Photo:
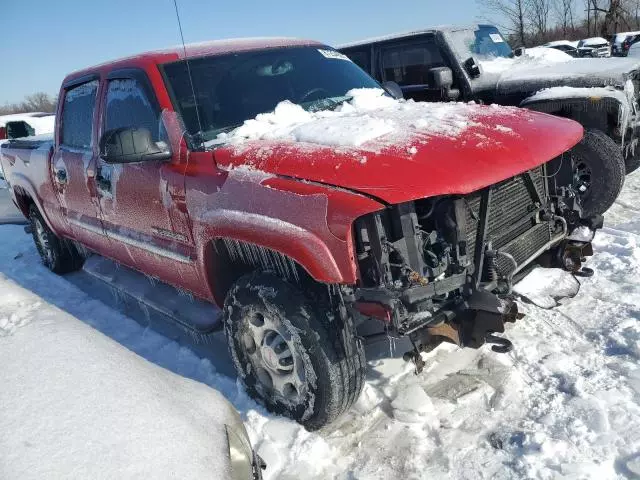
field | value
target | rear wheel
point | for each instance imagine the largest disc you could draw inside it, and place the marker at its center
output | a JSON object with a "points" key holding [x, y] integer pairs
{"points": [[58, 254], [598, 172], [291, 355]]}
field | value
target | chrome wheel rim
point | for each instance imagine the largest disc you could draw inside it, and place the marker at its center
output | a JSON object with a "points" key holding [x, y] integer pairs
{"points": [[278, 366], [43, 241]]}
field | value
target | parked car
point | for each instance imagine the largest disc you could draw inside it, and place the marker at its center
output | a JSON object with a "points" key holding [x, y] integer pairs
{"points": [[595, 47], [566, 46], [622, 42], [277, 180], [477, 64], [25, 124]]}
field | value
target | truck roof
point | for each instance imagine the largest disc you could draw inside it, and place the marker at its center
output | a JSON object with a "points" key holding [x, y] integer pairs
{"points": [[200, 49], [407, 34]]}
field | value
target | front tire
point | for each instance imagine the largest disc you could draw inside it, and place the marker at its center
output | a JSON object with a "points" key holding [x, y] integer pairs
{"points": [[291, 355], [58, 254], [598, 172]]}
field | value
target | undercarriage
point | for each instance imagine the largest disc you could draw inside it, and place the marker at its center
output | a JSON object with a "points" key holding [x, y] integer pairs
{"points": [[442, 268]]}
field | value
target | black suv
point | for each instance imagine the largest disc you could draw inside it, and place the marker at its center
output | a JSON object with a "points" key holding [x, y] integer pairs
{"points": [[476, 63]]}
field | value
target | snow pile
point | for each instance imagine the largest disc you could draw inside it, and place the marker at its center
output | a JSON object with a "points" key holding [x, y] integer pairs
{"points": [[544, 286], [370, 117], [532, 58], [413, 405], [76, 404]]}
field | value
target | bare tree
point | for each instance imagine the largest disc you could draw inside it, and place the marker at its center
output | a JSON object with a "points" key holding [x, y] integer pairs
{"points": [[37, 102], [514, 14], [565, 15], [539, 11]]}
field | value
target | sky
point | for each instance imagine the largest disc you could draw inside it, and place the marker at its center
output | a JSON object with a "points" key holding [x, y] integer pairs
{"points": [[44, 40]]}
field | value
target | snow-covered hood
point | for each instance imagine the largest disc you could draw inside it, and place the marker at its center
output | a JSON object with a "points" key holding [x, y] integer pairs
{"points": [[399, 150], [576, 72]]}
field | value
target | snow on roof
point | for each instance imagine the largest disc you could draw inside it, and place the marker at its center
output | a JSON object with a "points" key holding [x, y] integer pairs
{"points": [[398, 35], [622, 35], [369, 121], [532, 58], [76, 404], [217, 47], [557, 43], [589, 42]]}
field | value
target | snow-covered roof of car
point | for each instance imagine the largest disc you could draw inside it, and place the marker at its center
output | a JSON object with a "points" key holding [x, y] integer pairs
{"points": [[587, 42], [622, 35], [406, 34], [557, 43]]}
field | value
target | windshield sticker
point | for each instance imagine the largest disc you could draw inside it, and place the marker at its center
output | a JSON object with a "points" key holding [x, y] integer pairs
{"points": [[496, 37], [333, 54]]}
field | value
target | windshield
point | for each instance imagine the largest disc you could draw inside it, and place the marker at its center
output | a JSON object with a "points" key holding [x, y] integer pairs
{"points": [[484, 43], [230, 89]]}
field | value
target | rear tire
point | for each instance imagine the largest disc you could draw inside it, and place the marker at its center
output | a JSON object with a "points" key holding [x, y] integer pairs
{"points": [[599, 172], [58, 254], [292, 356]]}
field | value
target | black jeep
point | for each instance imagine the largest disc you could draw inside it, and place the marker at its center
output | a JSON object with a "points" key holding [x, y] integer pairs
{"points": [[477, 64]]}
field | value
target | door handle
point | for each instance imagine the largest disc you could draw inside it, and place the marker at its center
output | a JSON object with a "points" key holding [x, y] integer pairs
{"points": [[104, 184], [61, 176]]}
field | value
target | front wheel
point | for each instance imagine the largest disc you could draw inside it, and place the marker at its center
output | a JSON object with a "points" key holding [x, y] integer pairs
{"points": [[598, 172], [291, 355]]}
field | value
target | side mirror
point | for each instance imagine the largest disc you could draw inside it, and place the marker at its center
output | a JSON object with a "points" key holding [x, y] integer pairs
{"points": [[132, 145], [393, 89], [442, 78], [518, 52]]}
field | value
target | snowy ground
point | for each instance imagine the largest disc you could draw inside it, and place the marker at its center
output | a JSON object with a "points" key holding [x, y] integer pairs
{"points": [[564, 404]]}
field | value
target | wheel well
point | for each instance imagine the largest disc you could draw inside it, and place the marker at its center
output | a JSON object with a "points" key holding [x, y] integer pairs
{"points": [[23, 200], [603, 116], [227, 260]]}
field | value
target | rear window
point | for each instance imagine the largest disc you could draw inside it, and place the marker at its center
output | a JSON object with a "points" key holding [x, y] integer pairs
{"points": [[77, 115]]}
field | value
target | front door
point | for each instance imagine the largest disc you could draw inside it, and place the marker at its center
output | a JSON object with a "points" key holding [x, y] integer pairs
{"points": [[73, 164], [138, 200]]}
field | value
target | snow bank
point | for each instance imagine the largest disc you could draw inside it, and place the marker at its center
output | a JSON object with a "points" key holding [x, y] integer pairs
{"points": [[532, 58], [76, 404], [370, 117]]}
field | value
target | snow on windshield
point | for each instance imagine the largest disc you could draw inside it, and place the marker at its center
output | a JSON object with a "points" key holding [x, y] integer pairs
{"points": [[369, 117], [531, 58]]}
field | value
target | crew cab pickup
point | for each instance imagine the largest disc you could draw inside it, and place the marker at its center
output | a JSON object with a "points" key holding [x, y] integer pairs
{"points": [[277, 180], [476, 63]]}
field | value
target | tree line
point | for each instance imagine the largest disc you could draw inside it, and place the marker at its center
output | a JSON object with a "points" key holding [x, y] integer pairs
{"points": [[534, 22], [37, 102]]}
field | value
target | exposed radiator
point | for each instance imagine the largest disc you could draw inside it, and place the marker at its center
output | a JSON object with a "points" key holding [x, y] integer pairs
{"points": [[510, 227]]}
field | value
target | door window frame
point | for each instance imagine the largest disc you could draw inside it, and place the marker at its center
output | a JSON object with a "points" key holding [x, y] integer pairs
{"points": [[66, 88]]}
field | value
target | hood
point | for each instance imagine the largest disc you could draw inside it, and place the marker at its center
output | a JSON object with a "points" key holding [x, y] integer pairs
{"points": [[580, 72], [426, 150]]}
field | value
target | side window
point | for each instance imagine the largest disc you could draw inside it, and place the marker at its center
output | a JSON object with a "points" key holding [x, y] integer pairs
{"points": [[410, 64], [129, 107], [362, 58], [77, 115]]}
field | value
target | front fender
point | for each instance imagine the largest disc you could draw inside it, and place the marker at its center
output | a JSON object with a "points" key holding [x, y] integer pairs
{"points": [[309, 223]]}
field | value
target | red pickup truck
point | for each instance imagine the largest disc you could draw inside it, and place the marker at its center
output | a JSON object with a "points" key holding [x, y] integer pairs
{"points": [[277, 180]]}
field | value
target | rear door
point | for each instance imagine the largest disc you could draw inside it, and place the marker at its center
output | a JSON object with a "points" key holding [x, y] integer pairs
{"points": [[138, 201], [73, 162]]}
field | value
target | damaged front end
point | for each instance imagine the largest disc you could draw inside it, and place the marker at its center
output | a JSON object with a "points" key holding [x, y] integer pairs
{"points": [[442, 268]]}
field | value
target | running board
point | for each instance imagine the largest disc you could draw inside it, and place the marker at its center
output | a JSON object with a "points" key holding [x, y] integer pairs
{"points": [[199, 319]]}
